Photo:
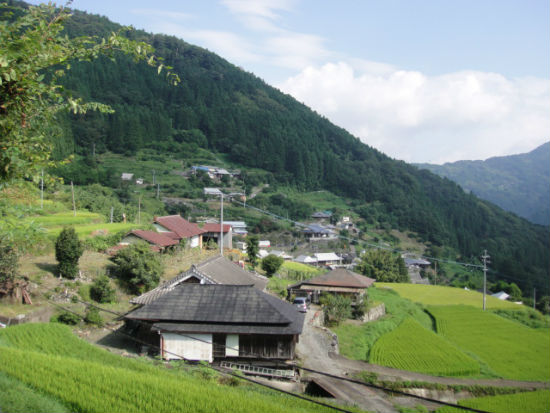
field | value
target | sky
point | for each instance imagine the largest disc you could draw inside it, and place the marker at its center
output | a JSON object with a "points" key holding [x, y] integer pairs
{"points": [[420, 80]]}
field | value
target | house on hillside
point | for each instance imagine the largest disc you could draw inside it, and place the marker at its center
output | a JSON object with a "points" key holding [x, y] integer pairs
{"points": [[215, 270], [321, 215], [214, 322], [239, 227], [126, 176], [305, 259], [158, 241], [212, 232], [183, 229], [317, 232], [327, 259], [501, 295], [339, 281]]}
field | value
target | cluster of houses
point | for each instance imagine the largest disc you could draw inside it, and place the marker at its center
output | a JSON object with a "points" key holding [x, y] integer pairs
{"points": [[218, 312]]}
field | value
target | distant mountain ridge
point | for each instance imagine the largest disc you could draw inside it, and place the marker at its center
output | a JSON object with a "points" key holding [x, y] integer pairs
{"points": [[516, 183]]}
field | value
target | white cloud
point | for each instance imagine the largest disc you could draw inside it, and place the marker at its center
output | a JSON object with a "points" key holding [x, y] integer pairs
{"points": [[419, 118]]}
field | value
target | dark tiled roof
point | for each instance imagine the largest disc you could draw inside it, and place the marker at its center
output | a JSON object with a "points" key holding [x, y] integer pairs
{"points": [[215, 270], [216, 228], [228, 305], [154, 237], [317, 229], [339, 277], [182, 227]]}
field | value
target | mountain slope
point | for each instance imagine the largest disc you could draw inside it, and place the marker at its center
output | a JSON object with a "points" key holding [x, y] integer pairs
{"points": [[517, 183], [244, 120]]}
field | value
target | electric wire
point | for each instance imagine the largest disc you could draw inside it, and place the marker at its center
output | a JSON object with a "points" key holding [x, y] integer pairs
{"points": [[347, 379], [219, 370]]}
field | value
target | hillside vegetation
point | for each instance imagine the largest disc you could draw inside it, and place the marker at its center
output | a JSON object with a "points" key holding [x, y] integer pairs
{"points": [[247, 123], [516, 183]]}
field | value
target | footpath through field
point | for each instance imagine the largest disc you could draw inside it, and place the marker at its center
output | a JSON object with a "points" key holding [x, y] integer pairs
{"points": [[316, 352]]}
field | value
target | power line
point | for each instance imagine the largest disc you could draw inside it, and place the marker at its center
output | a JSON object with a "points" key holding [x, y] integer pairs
{"points": [[301, 224], [219, 370], [299, 367]]}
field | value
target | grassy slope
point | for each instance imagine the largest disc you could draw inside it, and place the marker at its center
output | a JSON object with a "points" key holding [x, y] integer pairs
{"points": [[510, 349], [528, 402], [15, 397], [93, 380], [441, 295], [356, 341], [412, 347]]}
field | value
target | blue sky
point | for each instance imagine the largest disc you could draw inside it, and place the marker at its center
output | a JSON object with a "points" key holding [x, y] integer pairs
{"points": [[420, 80]]}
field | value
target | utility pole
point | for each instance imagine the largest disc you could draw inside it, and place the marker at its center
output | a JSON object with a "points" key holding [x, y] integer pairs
{"points": [[221, 224], [534, 297], [485, 258], [112, 209], [139, 209], [72, 192], [435, 277], [42, 191], [158, 190], [93, 150], [153, 177]]}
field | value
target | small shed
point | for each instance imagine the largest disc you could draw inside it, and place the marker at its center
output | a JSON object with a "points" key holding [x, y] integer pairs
{"points": [[338, 281]]}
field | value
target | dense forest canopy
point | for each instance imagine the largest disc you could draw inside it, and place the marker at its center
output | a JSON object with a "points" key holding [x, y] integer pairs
{"points": [[219, 106]]}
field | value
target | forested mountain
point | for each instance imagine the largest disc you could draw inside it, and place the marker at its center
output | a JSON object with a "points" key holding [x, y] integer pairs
{"points": [[219, 106], [516, 183]]}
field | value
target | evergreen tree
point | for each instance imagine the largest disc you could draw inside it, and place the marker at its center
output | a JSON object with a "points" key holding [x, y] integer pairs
{"points": [[252, 249], [68, 250]]}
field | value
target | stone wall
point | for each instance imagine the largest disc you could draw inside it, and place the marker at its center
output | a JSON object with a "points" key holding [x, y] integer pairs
{"points": [[375, 313]]}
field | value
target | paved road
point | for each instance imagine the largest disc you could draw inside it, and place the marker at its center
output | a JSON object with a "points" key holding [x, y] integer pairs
{"points": [[313, 350]]}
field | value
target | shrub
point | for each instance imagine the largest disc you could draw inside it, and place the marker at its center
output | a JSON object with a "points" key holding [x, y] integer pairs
{"points": [[101, 290], [67, 318], [93, 317], [336, 307], [271, 264], [68, 250], [138, 267]]}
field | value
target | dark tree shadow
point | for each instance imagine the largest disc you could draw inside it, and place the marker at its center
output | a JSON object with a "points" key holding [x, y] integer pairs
{"points": [[51, 268]]}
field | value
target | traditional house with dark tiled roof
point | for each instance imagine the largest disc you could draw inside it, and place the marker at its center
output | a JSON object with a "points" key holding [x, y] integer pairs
{"points": [[215, 270], [219, 322], [182, 229], [338, 281]]}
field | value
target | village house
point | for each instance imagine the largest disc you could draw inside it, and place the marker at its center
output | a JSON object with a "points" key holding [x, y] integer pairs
{"points": [[183, 229], [159, 242], [339, 281], [321, 215], [215, 270], [239, 227], [317, 232], [212, 232], [214, 322]]}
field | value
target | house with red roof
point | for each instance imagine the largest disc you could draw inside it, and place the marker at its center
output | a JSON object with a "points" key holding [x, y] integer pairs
{"points": [[212, 232], [178, 228], [158, 241]]}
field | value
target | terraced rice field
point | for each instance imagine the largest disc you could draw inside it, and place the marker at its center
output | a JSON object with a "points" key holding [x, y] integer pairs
{"points": [[529, 402], [50, 360], [510, 349], [442, 295], [412, 347]]}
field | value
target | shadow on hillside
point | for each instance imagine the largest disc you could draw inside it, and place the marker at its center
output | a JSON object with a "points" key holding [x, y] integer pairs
{"points": [[46, 266], [119, 343]]}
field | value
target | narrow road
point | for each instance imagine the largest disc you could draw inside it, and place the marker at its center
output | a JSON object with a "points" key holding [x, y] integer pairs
{"points": [[313, 350]]}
